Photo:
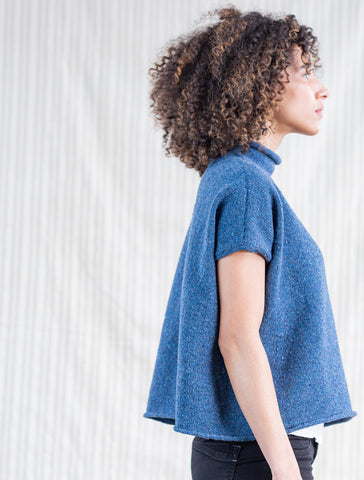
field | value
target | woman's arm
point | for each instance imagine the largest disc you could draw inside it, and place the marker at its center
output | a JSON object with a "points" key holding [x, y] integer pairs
{"points": [[241, 285]]}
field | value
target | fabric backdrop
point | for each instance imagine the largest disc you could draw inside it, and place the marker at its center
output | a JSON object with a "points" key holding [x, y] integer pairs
{"points": [[92, 219]]}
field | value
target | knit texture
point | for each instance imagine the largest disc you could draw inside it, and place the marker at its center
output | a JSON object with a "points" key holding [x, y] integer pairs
{"points": [[239, 207]]}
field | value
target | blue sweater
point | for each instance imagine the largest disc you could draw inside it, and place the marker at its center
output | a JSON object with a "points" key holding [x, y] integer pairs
{"points": [[239, 207]]}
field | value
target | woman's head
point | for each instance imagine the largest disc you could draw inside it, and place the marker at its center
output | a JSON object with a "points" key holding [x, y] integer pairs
{"points": [[220, 86]]}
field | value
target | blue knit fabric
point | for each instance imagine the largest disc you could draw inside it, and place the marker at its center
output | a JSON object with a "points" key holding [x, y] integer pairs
{"points": [[239, 207]]}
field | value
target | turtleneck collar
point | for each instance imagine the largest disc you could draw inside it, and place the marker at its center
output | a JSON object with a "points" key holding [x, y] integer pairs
{"points": [[260, 155]]}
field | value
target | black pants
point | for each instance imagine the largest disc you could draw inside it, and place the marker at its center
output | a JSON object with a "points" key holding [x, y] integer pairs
{"points": [[231, 460]]}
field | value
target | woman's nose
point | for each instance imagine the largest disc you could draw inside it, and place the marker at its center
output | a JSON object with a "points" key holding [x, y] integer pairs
{"points": [[323, 91]]}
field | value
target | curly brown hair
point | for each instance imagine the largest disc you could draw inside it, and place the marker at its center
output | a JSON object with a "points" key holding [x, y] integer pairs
{"points": [[216, 87]]}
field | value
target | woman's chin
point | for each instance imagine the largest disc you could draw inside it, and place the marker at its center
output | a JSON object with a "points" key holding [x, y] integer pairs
{"points": [[310, 131]]}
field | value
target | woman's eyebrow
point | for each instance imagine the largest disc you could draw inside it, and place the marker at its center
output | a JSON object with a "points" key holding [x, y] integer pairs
{"points": [[299, 68]]}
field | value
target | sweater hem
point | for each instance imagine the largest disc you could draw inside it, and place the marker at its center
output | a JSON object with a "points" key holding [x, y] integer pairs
{"points": [[335, 418], [160, 417], [327, 421]]}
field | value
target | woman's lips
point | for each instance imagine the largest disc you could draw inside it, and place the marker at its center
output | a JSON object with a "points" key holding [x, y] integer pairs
{"points": [[319, 112]]}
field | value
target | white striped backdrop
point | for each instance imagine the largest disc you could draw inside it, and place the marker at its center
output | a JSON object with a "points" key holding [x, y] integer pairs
{"points": [[92, 219]]}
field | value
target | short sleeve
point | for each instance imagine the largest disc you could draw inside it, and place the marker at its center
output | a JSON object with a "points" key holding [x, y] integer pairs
{"points": [[244, 221]]}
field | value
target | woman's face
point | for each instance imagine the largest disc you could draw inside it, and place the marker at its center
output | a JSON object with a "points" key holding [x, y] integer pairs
{"points": [[303, 96]]}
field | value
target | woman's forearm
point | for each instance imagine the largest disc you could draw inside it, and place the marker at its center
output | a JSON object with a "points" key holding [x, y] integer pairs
{"points": [[251, 378]]}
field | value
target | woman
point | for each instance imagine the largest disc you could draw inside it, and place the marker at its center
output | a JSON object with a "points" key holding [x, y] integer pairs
{"points": [[248, 360]]}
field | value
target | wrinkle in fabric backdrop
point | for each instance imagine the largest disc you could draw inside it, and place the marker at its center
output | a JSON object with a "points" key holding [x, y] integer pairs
{"points": [[93, 216]]}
